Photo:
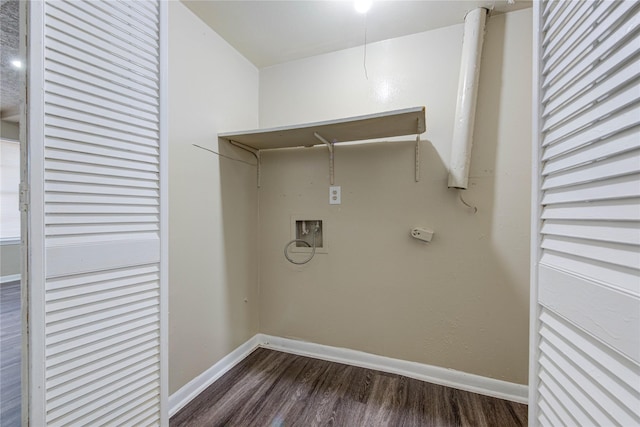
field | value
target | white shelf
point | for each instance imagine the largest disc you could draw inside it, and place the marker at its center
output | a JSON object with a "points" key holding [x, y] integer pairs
{"points": [[410, 121]]}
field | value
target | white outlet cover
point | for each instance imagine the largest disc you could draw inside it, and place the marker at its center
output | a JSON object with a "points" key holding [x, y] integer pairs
{"points": [[335, 195]]}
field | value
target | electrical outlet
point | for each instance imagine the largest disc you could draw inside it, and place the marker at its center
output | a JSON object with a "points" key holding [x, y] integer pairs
{"points": [[423, 234], [335, 195]]}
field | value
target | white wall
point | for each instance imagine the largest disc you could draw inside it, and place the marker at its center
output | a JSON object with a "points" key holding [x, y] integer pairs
{"points": [[10, 256], [10, 251], [213, 202], [460, 302], [9, 130]]}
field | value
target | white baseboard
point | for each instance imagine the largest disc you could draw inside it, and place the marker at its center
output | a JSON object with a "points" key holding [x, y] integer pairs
{"points": [[9, 278], [193, 388], [433, 374]]}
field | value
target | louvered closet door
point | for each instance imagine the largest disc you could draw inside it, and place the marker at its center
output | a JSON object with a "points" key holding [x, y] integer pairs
{"points": [[98, 204], [586, 289]]}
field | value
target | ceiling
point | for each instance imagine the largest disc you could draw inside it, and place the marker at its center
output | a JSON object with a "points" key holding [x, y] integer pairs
{"points": [[10, 77], [273, 32]]}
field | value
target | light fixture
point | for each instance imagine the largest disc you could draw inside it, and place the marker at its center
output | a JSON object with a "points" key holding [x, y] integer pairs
{"points": [[16, 63], [362, 6]]}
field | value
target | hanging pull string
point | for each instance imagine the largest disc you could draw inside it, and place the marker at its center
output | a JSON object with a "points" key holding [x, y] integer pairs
{"points": [[364, 61], [475, 209], [223, 155]]}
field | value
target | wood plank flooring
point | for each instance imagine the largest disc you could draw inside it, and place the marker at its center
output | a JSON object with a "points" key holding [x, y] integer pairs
{"points": [[10, 354], [275, 389]]}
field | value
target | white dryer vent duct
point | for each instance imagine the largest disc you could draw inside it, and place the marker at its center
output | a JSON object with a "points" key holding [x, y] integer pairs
{"points": [[467, 93]]}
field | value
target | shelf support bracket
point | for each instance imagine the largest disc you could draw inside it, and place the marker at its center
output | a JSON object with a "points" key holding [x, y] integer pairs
{"points": [[330, 147], [256, 154], [420, 125], [418, 158]]}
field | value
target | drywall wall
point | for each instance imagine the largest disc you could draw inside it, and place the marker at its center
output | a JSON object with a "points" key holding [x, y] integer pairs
{"points": [[9, 251], [212, 201], [9, 130], [460, 302], [9, 260]]}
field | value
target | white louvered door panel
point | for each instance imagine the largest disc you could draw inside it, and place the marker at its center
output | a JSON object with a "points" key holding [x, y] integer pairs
{"points": [[97, 213], [585, 359]]}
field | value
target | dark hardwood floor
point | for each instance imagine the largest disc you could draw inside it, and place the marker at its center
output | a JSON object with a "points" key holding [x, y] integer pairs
{"points": [[275, 389], [10, 354]]}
